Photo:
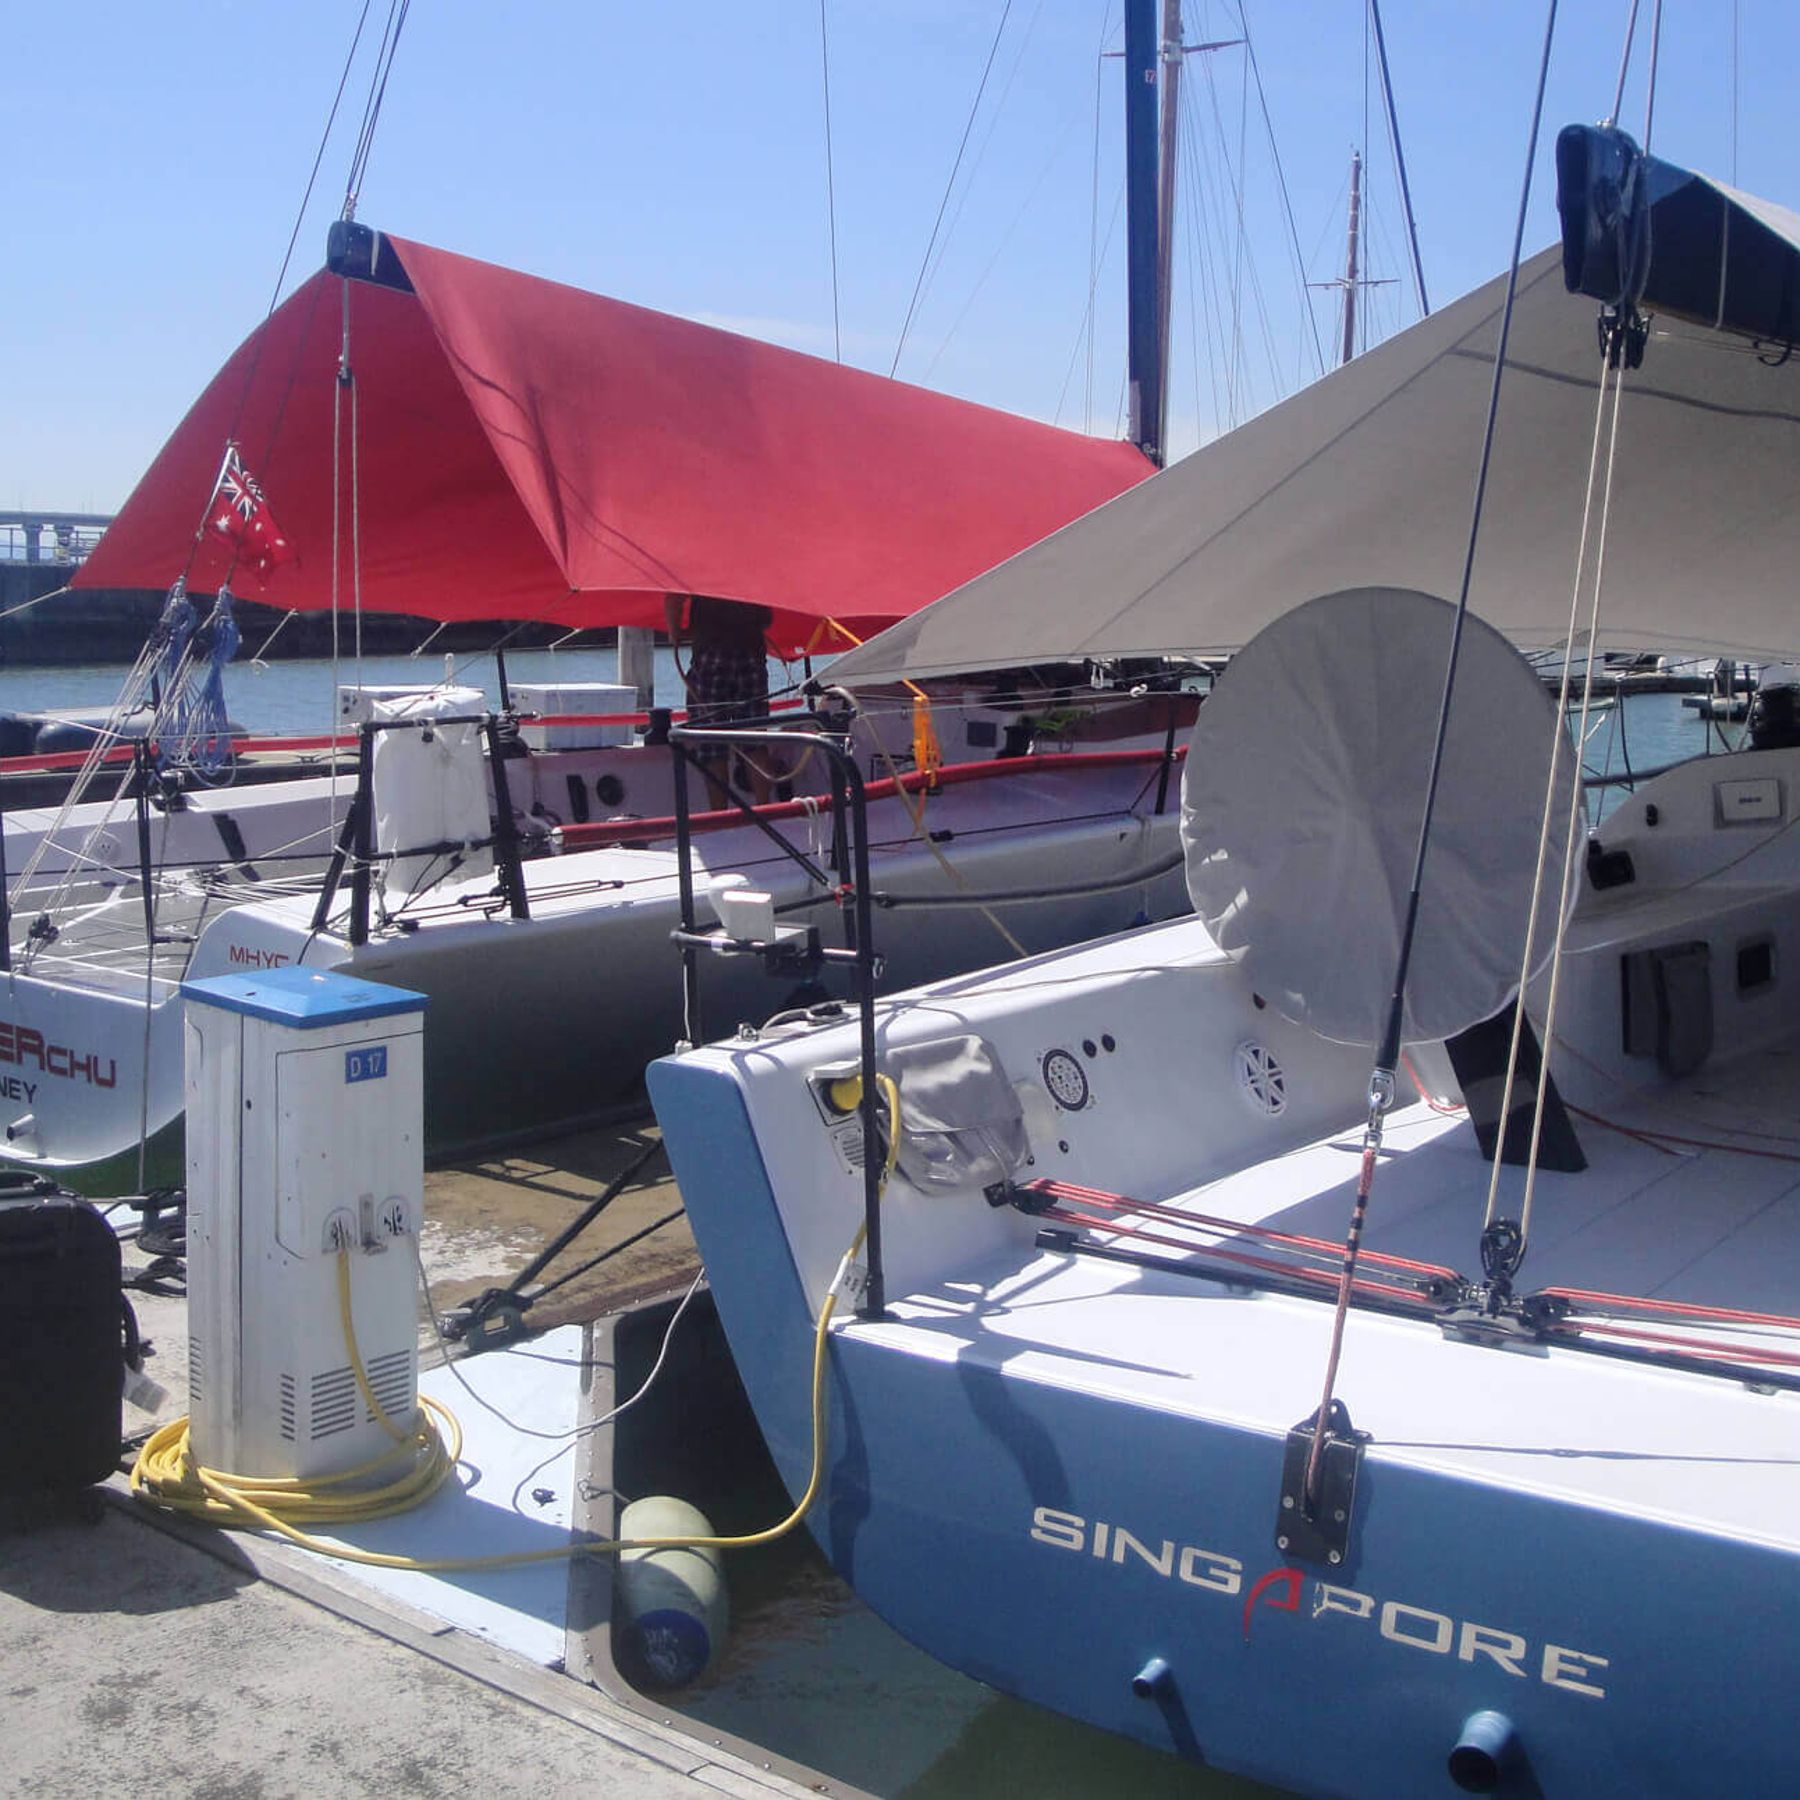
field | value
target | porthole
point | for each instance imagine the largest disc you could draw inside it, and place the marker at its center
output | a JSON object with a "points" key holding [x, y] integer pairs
{"points": [[1066, 1080]]}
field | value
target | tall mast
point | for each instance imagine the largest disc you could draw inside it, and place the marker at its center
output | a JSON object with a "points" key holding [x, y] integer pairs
{"points": [[1352, 243], [1144, 353], [1169, 76], [1352, 281]]}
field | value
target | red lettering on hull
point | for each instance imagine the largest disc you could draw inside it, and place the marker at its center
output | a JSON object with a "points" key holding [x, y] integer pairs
{"points": [[23, 1045]]}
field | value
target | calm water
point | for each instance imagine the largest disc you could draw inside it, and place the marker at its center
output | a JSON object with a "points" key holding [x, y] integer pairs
{"points": [[1654, 729], [297, 696]]}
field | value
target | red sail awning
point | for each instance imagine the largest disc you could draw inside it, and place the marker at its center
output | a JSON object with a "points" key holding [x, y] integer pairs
{"points": [[528, 450]]}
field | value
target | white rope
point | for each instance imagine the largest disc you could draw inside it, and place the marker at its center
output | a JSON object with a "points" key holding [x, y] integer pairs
{"points": [[1571, 867], [27, 605], [813, 808], [110, 734], [1609, 429]]}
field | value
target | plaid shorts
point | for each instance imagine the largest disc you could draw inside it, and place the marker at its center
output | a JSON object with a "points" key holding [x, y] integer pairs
{"points": [[727, 687]]}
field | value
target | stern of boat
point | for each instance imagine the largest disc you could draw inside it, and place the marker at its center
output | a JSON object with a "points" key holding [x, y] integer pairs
{"points": [[85, 1071]]}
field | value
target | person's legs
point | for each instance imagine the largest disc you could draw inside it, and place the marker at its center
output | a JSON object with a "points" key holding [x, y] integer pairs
{"points": [[727, 687]]}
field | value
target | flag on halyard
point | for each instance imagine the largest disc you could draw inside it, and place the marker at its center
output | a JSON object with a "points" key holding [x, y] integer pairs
{"points": [[239, 513]]}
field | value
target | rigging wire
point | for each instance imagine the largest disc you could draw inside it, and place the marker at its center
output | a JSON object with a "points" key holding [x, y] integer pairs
{"points": [[1735, 66], [1381, 1079], [1206, 236], [1199, 270], [1087, 406], [1227, 295], [1287, 205], [1612, 118], [1084, 332], [837, 333], [993, 260], [1238, 244], [133, 693], [937, 224], [995, 114], [1650, 84], [1248, 304], [337, 100], [337, 527], [1203, 249], [1367, 47], [1393, 126], [1601, 478], [384, 67]]}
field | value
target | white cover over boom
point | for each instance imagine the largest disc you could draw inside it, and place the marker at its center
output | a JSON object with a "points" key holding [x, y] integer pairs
{"points": [[1301, 802]]}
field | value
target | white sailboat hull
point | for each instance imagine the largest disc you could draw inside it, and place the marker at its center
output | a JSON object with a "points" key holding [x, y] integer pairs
{"points": [[541, 1022]]}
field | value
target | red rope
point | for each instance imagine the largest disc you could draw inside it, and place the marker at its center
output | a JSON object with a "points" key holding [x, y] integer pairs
{"points": [[1660, 1140], [1210, 1222], [1268, 1265], [1450, 1108], [1706, 1347], [1700, 1346], [1677, 1308]]}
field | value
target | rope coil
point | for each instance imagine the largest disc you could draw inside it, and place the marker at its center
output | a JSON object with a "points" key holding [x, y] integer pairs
{"points": [[167, 1474]]}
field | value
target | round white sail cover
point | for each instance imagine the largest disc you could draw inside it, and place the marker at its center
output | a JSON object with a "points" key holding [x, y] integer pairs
{"points": [[1301, 803]]}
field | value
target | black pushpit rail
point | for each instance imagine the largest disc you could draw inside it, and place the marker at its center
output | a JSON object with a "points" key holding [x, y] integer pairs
{"points": [[795, 950]]}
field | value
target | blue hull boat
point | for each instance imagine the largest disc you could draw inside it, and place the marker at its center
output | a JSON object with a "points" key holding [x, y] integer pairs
{"points": [[1406, 1434]]}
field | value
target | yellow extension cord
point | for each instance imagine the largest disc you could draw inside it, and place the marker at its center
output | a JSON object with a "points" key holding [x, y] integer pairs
{"points": [[166, 1473]]}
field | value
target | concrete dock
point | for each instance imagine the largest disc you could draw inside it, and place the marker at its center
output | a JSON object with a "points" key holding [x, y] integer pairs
{"points": [[138, 1654], [137, 1661]]}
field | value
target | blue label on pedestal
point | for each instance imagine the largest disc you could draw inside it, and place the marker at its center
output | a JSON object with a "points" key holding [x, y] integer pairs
{"points": [[367, 1064]]}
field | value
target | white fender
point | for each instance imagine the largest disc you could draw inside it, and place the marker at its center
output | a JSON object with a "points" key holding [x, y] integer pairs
{"points": [[672, 1611]]}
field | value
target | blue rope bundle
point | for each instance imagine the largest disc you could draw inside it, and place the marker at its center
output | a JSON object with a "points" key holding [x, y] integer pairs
{"points": [[194, 731], [169, 639], [208, 732]]}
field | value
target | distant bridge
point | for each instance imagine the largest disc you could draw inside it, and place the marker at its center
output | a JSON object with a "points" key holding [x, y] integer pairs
{"points": [[35, 536]]}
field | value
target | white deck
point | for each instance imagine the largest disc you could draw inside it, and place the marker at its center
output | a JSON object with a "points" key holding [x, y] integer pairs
{"points": [[1710, 1227], [520, 1441]]}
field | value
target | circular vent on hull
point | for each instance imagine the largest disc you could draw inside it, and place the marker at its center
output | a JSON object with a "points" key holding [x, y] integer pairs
{"points": [[1260, 1078]]}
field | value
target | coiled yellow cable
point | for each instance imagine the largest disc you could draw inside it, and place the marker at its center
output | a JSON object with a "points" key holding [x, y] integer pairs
{"points": [[166, 1473]]}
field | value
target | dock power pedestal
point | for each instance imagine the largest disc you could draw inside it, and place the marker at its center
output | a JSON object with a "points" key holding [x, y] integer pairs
{"points": [[305, 1151]]}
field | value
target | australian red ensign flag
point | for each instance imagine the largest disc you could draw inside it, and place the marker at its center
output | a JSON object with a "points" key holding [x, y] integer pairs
{"points": [[241, 515]]}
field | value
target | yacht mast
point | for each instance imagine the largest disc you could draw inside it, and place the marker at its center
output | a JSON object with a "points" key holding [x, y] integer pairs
{"points": [[1153, 59], [1169, 75], [1353, 238], [1144, 352]]}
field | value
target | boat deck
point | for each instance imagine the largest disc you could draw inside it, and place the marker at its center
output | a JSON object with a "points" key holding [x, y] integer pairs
{"points": [[101, 942], [1712, 1222]]}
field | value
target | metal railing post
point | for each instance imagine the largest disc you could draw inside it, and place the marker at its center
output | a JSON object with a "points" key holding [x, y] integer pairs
{"points": [[140, 757], [874, 1302], [684, 876], [1168, 759], [851, 878], [506, 830], [362, 839]]}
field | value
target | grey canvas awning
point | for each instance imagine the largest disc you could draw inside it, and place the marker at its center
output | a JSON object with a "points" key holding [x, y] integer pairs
{"points": [[1367, 479]]}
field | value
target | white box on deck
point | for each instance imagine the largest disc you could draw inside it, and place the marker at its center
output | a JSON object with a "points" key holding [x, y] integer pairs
{"points": [[305, 1098], [554, 697], [356, 705]]}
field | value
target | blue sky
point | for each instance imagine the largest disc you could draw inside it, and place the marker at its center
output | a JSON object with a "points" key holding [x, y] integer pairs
{"points": [[674, 155]]}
